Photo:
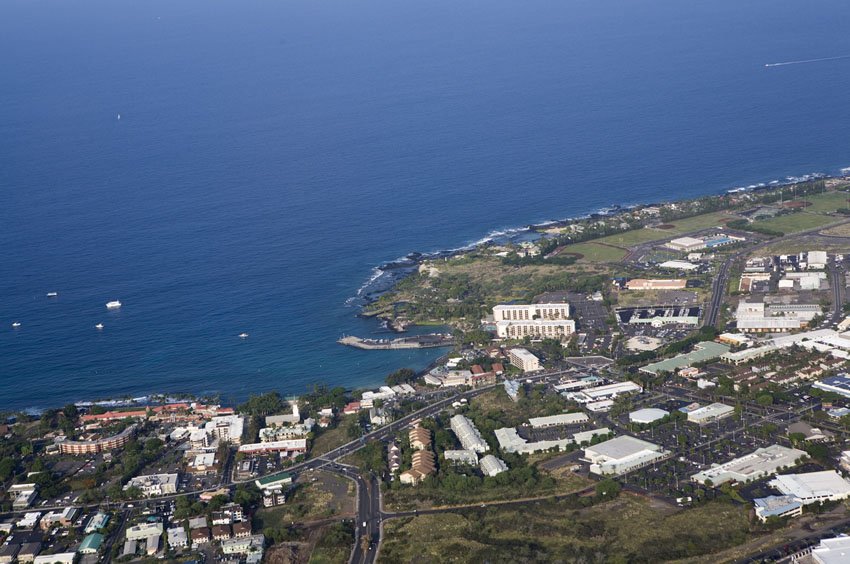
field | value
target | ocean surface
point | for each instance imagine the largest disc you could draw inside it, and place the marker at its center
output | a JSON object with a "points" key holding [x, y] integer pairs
{"points": [[269, 155]]}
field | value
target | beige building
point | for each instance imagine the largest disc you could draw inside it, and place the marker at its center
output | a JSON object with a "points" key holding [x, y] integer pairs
{"points": [[524, 360], [533, 320]]}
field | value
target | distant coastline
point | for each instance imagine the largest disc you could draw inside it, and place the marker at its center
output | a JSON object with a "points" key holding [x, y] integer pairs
{"points": [[386, 276]]}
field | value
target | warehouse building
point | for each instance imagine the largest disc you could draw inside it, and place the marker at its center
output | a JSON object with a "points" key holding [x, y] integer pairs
{"points": [[760, 463], [709, 413], [813, 487], [622, 454], [837, 384]]}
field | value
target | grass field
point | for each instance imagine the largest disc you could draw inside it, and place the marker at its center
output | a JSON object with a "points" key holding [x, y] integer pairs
{"points": [[828, 202], [628, 529], [796, 222], [332, 438], [594, 252]]}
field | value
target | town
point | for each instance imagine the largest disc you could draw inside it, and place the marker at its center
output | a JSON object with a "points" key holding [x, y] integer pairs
{"points": [[670, 381]]}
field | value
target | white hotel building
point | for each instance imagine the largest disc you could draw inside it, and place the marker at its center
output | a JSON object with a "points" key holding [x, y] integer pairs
{"points": [[533, 320]]}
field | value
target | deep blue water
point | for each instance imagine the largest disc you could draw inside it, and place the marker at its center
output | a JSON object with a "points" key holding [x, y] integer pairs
{"points": [[270, 154]]}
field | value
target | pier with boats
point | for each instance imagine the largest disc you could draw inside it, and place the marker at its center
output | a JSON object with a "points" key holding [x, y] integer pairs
{"points": [[432, 340]]}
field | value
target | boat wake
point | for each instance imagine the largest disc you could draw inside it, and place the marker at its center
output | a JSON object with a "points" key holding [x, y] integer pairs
{"points": [[807, 61]]}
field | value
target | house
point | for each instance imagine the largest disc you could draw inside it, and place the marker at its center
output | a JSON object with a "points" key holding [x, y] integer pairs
{"points": [[423, 465], [242, 530], [28, 551]]}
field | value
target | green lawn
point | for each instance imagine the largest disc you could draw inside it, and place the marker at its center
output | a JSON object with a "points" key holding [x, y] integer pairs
{"points": [[594, 252], [645, 235], [828, 202], [795, 222]]}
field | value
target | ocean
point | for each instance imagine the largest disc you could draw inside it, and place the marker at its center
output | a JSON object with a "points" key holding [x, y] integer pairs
{"points": [[269, 155]]}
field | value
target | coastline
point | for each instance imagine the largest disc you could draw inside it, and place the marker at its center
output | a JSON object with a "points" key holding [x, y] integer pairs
{"points": [[386, 276]]}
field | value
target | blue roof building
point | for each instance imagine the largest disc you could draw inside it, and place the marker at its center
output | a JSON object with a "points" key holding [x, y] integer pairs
{"points": [[778, 506]]}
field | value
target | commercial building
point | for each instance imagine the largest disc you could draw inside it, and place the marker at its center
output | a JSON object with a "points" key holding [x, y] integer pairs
{"points": [[492, 466], [143, 531], [758, 464], [709, 413], [524, 360], [758, 317], [622, 454], [645, 284], [292, 447], [777, 506], [91, 544], [97, 522], [57, 558], [274, 481], [813, 487], [562, 419], [22, 495], [154, 484], [61, 518], [606, 392], [468, 435], [647, 415], [97, 445], [704, 351], [249, 544], [659, 316]]}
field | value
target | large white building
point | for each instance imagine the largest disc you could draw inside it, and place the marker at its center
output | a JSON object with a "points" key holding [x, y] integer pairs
{"points": [[758, 464], [832, 551], [622, 454], [562, 419], [492, 466], [813, 487], [524, 360], [468, 435], [533, 320]]}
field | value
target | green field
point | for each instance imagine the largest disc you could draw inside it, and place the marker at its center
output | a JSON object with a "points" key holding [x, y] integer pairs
{"points": [[828, 202], [594, 252], [646, 235], [628, 529], [796, 222]]}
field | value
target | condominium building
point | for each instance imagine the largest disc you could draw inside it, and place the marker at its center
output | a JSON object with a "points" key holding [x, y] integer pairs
{"points": [[511, 312], [95, 446], [468, 435], [524, 360]]}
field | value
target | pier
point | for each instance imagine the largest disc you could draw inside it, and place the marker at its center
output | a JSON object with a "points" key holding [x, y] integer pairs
{"points": [[432, 340]]}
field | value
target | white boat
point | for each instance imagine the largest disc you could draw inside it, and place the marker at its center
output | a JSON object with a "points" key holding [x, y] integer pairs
{"points": [[52, 294], [16, 324], [115, 304], [99, 326], [243, 335]]}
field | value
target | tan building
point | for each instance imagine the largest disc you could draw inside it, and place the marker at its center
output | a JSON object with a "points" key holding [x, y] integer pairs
{"points": [[420, 438], [98, 445], [524, 360], [423, 465], [533, 320]]}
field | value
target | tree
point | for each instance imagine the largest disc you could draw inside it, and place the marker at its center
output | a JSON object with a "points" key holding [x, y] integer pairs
{"points": [[608, 488]]}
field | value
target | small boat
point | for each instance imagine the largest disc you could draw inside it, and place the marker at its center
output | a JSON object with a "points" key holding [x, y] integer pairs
{"points": [[243, 335], [16, 324], [119, 116], [52, 294], [115, 304], [99, 326]]}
